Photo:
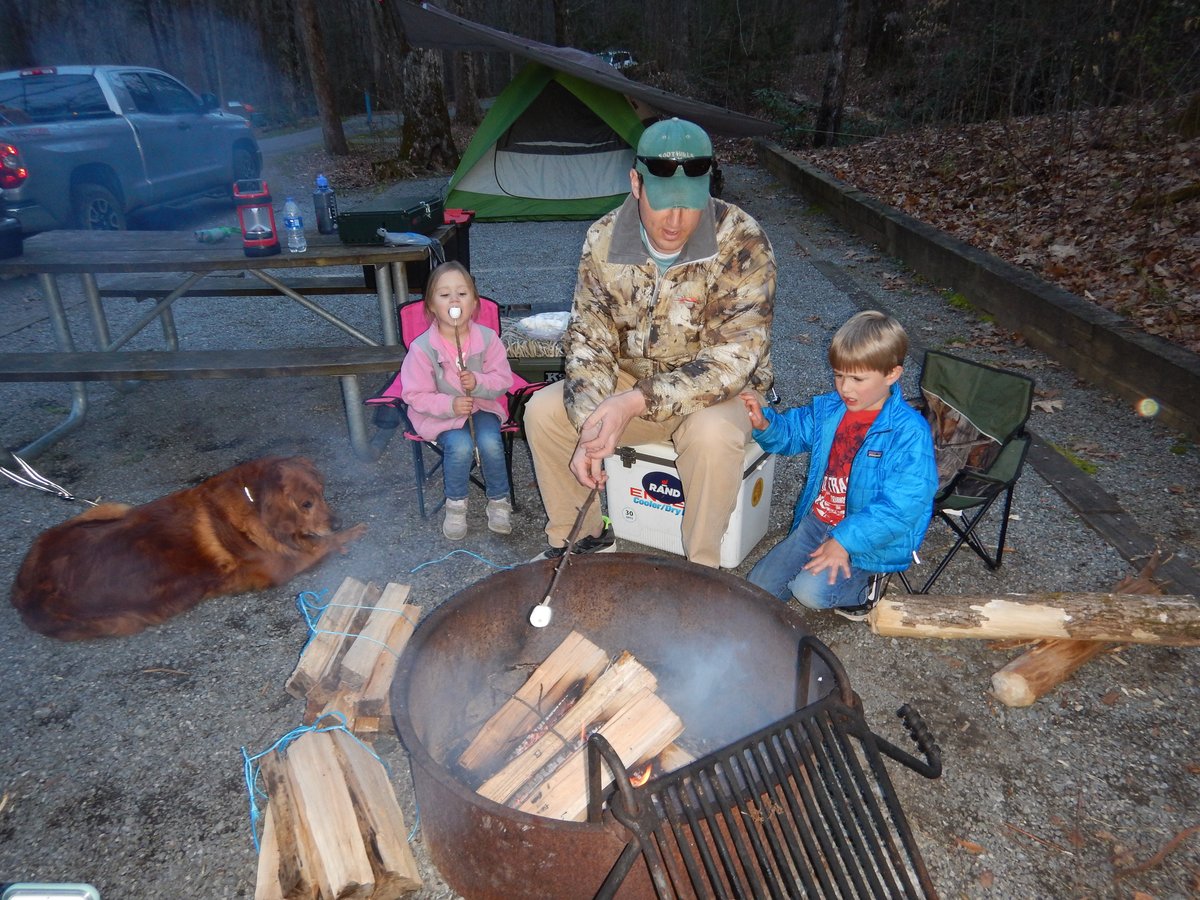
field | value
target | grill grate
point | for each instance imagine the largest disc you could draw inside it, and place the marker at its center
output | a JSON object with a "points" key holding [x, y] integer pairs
{"points": [[801, 808]]}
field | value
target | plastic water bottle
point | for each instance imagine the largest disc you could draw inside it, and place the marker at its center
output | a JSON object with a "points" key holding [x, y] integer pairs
{"points": [[325, 206], [293, 224]]}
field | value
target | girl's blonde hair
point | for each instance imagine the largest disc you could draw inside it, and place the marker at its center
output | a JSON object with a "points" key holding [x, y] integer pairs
{"points": [[869, 341], [445, 269]]}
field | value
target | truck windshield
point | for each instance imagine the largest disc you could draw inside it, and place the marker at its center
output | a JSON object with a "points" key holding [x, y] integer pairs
{"points": [[53, 98]]}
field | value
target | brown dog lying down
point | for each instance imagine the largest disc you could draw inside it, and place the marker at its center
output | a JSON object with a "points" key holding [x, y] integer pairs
{"points": [[117, 569]]}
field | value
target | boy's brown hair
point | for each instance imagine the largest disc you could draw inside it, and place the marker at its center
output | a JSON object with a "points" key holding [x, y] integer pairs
{"points": [[869, 341]]}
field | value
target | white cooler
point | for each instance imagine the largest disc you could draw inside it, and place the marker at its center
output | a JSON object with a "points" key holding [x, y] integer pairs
{"points": [[646, 501]]}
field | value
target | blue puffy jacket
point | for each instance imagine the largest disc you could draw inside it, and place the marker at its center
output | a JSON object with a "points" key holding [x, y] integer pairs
{"points": [[889, 498]]}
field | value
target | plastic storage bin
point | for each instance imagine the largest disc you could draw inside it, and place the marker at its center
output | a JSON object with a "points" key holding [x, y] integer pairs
{"points": [[646, 500]]}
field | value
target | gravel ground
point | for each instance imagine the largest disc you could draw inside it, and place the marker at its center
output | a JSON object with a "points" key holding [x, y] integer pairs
{"points": [[122, 763]]}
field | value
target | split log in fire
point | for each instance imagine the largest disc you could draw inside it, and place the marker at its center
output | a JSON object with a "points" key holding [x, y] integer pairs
{"points": [[534, 746]]}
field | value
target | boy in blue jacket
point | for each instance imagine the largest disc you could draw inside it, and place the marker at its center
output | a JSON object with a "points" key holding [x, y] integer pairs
{"points": [[871, 474]]}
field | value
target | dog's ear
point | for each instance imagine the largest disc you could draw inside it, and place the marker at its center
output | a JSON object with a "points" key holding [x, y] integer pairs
{"points": [[276, 507]]}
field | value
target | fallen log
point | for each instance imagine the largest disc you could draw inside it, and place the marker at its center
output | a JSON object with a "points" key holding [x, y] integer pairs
{"points": [[1048, 664], [1041, 669], [1112, 617]]}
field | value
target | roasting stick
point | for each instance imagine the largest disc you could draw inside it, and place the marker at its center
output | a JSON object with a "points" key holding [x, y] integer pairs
{"points": [[455, 314], [539, 617]]}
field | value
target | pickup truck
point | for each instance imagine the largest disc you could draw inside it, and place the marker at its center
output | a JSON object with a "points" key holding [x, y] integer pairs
{"points": [[84, 146]]}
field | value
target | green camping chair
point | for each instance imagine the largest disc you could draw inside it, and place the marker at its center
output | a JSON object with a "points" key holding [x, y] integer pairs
{"points": [[978, 417]]}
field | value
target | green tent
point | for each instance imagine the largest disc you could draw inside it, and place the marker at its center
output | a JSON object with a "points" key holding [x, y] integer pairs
{"points": [[553, 146]]}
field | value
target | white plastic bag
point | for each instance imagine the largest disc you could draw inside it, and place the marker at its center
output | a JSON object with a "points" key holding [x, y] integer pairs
{"points": [[547, 326]]}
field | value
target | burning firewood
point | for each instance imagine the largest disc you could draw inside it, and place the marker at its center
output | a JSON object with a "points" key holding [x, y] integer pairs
{"points": [[535, 744], [574, 664], [348, 665], [624, 678], [333, 827]]}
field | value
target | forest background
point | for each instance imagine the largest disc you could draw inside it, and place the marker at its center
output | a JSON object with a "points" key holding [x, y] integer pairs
{"points": [[1062, 137]]}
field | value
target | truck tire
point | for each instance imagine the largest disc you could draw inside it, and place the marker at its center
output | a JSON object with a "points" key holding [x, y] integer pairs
{"points": [[245, 164], [96, 208]]}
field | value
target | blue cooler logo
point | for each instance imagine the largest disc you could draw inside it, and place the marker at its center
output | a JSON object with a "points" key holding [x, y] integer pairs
{"points": [[664, 487]]}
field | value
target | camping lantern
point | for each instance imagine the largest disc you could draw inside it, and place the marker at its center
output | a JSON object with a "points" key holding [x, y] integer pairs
{"points": [[256, 217]]}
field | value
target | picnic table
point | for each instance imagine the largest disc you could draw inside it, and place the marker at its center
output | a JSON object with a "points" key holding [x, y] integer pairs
{"points": [[165, 266]]}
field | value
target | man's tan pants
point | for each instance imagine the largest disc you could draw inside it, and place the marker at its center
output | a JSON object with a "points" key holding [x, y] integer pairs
{"points": [[710, 444]]}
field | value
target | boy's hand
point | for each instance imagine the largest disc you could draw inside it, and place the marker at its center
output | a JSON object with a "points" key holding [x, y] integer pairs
{"points": [[466, 379], [754, 408], [463, 406], [831, 557]]}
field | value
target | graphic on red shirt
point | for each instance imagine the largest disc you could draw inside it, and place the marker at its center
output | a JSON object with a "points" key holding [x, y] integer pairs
{"points": [[830, 505]]}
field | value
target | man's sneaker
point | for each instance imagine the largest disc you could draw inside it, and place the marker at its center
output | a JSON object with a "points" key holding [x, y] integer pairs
{"points": [[454, 526], [606, 543], [499, 515]]}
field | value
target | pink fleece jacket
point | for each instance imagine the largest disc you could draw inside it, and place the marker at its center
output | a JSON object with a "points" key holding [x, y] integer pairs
{"points": [[429, 378]]}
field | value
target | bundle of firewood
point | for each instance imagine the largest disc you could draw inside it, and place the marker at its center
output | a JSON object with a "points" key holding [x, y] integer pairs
{"points": [[348, 664], [332, 827], [531, 754]]}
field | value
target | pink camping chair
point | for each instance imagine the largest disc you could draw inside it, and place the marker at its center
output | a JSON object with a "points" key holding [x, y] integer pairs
{"points": [[391, 411]]}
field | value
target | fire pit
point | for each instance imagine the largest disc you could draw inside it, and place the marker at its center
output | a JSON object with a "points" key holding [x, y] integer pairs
{"points": [[725, 654], [727, 660]]}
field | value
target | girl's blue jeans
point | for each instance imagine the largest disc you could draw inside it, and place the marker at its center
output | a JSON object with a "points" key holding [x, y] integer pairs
{"points": [[781, 571], [458, 453]]}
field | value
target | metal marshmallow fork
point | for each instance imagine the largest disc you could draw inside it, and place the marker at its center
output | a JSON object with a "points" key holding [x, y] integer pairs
{"points": [[539, 616]]}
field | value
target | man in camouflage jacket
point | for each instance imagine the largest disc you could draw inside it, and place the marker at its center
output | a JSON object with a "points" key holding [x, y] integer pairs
{"points": [[671, 319]]}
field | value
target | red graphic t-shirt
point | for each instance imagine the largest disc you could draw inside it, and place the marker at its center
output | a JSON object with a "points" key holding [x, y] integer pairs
{"points": [[830, 505]]}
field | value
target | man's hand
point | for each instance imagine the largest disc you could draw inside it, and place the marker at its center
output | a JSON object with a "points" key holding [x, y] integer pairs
{"points": [[600, 432], [754, 409], [832, 557], [463, 406], [466, 379]]}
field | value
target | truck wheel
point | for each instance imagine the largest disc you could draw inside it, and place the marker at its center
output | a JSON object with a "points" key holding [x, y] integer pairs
{"points": [[96, 208], [245, 164]]}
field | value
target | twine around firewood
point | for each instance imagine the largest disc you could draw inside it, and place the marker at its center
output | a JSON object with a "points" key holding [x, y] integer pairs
{"points": [[313, 603], [251, 768]]}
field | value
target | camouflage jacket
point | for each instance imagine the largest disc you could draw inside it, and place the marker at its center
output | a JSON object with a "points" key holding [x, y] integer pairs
{"points": [[692, 338]]}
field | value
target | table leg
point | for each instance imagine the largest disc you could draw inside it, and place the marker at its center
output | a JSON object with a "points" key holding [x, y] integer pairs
{"points": [[62, 338], [366, 447], [387, 304]]}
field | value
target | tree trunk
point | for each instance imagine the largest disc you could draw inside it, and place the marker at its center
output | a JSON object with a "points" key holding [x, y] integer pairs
{"points": [[884, 36], [1117, 617], [332, 135], [833, 99]]}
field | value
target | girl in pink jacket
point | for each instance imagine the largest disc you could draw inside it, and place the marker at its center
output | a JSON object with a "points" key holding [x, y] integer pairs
{"points": [[454, 379]]}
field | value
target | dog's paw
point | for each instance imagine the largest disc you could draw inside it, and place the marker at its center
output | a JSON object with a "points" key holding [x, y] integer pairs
{"points": [[346, 535]]}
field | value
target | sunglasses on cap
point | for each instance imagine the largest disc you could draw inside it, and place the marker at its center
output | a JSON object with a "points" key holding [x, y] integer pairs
{"points": [[665, 168]]}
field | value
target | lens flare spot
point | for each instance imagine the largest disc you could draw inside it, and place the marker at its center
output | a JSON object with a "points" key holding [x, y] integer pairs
{"points": [[1147, 407]]}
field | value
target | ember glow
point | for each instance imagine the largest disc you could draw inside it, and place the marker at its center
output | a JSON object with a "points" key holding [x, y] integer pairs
{"points": [[642, 777]]}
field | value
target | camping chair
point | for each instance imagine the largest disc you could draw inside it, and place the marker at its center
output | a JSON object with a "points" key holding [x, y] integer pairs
{"points": [[978, 416], [391, 411]]}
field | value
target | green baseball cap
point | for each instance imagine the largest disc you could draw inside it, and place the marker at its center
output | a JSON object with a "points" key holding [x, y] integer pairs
{"points": [[663, 156]]}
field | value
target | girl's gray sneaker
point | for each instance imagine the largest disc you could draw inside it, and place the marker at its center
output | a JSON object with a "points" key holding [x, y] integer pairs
{"points": [[454, 525], [499, 516]]}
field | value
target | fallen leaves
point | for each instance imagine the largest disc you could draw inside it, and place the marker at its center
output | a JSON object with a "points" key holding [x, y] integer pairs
{"points": [[1104, 217]]}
